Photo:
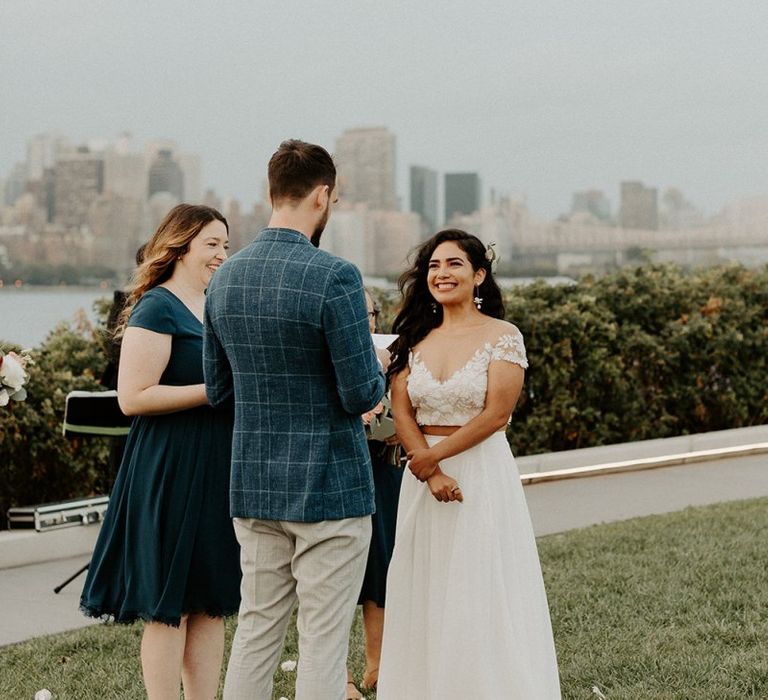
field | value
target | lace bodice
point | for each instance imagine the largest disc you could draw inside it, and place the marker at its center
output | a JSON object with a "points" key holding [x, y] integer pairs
{"points": [[461, 397]]}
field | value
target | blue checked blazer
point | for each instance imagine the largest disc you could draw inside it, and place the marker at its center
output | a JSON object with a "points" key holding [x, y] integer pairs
{"points": [[286, 331]]}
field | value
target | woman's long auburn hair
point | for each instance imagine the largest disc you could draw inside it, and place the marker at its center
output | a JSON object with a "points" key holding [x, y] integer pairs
{"points": [[419, 312], [171, 240]]}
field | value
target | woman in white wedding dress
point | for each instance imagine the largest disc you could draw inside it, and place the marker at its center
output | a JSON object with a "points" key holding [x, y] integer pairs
{"points": [[467, 615]]}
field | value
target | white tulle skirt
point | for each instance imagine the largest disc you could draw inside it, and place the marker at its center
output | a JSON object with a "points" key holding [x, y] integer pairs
{"points": [[466, 614]]}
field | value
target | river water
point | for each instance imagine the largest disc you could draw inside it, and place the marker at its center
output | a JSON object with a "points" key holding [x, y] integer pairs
{"points": [[28, 314]]}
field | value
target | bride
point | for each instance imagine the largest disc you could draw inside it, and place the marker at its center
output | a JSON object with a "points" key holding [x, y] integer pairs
{"points": [[467, 614]]}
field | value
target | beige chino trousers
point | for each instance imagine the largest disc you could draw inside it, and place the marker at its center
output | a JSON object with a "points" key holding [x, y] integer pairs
{"points": [[320, 566]]}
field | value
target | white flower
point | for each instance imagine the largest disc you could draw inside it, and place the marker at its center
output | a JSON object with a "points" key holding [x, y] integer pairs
{"points": [[491, 256], [282, 698], [43, 694], [288, 666], [12, 372], [596, 691], [13, 376]]}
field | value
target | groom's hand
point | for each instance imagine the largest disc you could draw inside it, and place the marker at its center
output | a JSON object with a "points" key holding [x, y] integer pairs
{"points": [[422, 463]]}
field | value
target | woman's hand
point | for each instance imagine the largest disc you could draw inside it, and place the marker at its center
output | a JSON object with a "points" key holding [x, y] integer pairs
{"points": [[370, 415], [422, 463], [444, 488], [384, 357]]}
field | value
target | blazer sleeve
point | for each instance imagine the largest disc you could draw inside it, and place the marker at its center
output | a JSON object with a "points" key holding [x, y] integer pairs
{"points": [[217, 371], [359, 378]]}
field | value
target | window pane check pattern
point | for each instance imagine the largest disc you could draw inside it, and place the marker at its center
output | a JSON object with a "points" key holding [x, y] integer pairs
{"points": [[286, 334]]}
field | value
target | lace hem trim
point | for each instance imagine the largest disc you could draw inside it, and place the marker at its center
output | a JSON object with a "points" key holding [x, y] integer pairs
{"points": [[128, 618]]}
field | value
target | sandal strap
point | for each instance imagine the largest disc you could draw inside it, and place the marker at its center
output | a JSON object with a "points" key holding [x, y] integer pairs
{"points": [[357, 690]]}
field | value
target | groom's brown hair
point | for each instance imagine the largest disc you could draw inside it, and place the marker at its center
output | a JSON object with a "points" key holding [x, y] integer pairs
{"points": [[296, 168]]}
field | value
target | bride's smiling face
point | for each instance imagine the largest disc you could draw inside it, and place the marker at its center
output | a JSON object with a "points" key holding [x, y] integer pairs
{"points": [[450, 277]]}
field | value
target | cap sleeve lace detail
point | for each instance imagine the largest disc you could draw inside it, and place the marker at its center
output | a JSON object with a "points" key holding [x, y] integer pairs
{"points": [[510, 348]]}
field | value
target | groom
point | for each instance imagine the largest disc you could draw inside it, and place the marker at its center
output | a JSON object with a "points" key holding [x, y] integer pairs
{"points": [[286, 333]]}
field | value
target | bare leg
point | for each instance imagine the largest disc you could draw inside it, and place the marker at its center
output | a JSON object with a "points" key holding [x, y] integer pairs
{"points": [[373, 624], [203, 655], [352, 692], [162, 649]]}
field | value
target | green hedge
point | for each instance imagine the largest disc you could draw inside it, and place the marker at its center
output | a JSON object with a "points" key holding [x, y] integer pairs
{"points": [[38, 464], [646, 353]]}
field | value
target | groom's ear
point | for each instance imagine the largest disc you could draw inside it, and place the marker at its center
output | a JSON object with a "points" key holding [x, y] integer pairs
{"points": [[319, 197]]}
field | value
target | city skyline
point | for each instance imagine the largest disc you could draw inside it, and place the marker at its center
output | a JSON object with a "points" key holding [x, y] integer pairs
{"points": [[542, 100], [103, 199], [365, 159], [42, 151]]}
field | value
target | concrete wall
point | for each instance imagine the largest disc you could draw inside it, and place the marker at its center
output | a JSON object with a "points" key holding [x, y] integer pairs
{"points": [[642, 449], [556, 505], [587, 495]]}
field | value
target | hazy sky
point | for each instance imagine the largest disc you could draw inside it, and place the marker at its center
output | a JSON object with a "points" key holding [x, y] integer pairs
{"points": [[541, 97]]}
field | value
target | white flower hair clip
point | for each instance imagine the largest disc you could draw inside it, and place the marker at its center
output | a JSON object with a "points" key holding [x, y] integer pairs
{"points": [[491, 256]]}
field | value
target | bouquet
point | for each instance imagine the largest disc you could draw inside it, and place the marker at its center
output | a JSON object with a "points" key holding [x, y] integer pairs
{"points": [[13, 376]]}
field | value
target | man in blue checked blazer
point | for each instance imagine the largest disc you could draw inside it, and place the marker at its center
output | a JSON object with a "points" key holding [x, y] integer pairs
{"points": [[286, 333]]}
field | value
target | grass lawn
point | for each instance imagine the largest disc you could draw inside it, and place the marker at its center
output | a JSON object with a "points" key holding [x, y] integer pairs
{"points": [[671, 607]]}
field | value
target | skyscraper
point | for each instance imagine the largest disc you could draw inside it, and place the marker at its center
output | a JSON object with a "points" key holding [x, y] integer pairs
{"points": [[424, 195], [593, 202], [462, 194], [126, 174], [390, 237], [190, 168], [78, 181], [117, 225], [639, 206], [165, 175], [42, 153], [365, 159], [345, 235], [15, 184]]}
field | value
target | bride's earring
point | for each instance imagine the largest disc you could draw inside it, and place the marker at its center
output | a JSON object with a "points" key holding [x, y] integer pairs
{"points": [[478, 300], [434, 307]]}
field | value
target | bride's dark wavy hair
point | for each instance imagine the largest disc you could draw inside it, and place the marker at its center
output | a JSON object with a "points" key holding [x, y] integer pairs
{"points": [[419, 313]]}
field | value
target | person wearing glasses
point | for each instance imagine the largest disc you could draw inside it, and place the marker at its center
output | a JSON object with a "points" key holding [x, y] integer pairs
{"points": [[387, 476]]}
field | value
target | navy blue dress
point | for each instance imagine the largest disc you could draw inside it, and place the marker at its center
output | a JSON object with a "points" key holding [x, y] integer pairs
{"points": [[167, 546], [387, 478]]}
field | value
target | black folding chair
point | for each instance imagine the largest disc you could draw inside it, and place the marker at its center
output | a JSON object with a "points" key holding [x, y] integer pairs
{"points": [[97, 414]]}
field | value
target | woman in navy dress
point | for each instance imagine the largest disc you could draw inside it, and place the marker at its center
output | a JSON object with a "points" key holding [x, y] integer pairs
{"points": [[387, 475], [167, 552]]}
